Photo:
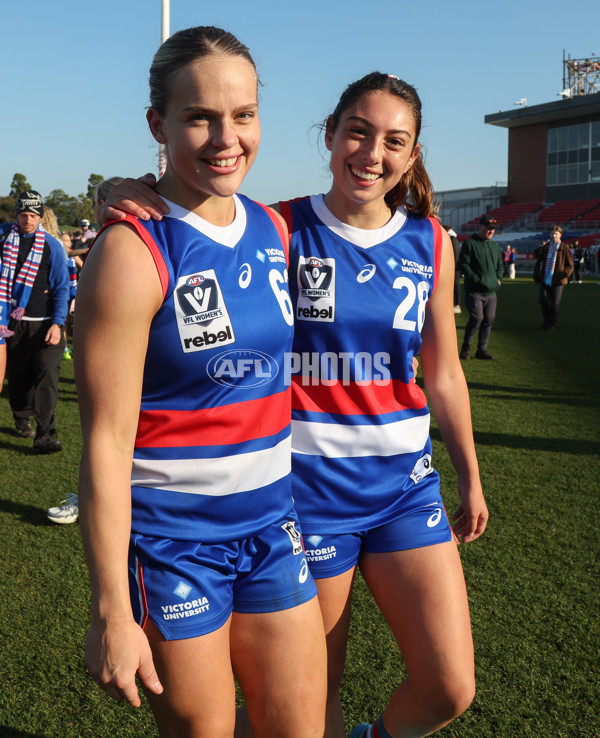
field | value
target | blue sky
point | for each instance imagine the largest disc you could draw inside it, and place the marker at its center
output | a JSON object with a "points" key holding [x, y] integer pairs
{"points": [[75, 80]]}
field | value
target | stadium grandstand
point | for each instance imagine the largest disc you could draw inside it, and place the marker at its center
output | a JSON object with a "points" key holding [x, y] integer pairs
{"points": [[553, 170]]}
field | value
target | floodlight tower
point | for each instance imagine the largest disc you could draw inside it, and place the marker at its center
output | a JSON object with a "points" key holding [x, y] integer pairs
{"points": [[164, 35], [580, 76]]}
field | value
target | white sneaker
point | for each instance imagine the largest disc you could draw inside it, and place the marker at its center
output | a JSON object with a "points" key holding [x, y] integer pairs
{"points": [[66, 512]]}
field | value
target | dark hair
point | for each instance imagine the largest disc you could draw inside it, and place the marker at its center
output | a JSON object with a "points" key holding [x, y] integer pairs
{"points": [[414, 189], [184, 47]]}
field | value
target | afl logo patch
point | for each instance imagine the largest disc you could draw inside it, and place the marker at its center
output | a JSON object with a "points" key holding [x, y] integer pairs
{"points": [[316, 289], [195, 280], [202, 318]]}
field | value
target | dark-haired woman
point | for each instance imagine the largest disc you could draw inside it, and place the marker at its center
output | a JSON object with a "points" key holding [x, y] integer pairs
{"points": [[372, 286]]}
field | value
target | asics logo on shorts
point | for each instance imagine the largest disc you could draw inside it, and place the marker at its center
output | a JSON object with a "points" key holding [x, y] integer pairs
{"points": [[303, 576], [434, 519]]}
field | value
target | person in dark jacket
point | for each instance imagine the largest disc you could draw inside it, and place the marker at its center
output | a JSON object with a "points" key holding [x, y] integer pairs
{"points": [[552, 270], [456, 249], [481, 265]]}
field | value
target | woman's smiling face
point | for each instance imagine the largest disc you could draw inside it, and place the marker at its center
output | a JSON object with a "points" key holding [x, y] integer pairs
{"points": [[372, 147], [211, 128]]}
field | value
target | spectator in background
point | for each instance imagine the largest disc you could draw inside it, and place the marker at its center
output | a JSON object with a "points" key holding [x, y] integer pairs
{"points": [[456, 248], [82, 240], [87, 234], [578, 262], [509, 256], [34, 289], [2, 346], [102, 192], [49, 223], [481, 264], [506, 258], [552, 270], [2, 361]]}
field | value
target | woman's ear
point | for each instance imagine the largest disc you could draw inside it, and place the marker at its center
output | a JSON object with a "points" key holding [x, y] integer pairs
{"points": [[413, 157], [155, 123], [329, 133]]}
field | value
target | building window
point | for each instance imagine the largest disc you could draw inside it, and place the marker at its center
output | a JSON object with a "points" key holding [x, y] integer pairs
{"points": [[573, 154]]}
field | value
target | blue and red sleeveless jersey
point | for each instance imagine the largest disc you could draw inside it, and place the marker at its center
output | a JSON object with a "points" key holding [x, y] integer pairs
{"points": [[212, 452], [360, 424]]}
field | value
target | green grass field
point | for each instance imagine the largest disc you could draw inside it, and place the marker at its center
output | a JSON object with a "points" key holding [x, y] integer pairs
{"points": [[533, 578]]}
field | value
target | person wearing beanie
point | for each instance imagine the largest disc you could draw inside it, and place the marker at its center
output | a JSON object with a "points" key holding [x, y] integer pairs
{"points": [[34, 293], [480, 262]]}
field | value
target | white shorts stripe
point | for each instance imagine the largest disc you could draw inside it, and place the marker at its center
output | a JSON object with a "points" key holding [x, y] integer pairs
{"points": [[340, 441], [214, 477]]}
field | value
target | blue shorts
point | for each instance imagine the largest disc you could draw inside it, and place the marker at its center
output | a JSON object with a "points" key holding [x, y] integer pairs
{"points": [[189, 589], [424, 525]]}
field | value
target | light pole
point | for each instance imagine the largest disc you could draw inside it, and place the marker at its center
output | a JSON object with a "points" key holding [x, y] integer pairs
{"points": [[164, 35], [166, 31]]}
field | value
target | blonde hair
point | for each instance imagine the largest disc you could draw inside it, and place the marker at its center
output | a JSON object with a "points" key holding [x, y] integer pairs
{"points": [[49, 222]]}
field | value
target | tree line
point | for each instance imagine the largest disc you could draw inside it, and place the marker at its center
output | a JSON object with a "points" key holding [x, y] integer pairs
{"points": [[69, 210]]}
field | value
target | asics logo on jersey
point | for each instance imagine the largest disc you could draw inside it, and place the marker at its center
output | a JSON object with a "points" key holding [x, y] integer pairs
{"points": [[243, 369], [366, 273]]}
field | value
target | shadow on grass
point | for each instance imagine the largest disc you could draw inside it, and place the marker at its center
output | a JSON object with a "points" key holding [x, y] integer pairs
{"points": [[67, 391], [530, 394], [556, 445], [513, 390], [18, 446], [8, 732], [28, 514]]}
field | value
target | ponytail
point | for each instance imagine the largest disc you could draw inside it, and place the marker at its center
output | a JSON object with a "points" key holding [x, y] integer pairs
{"points": [[414, 190]]}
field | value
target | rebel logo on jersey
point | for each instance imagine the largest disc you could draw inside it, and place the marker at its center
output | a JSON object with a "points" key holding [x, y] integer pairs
{"points": [[202, 317], [316, 289]]}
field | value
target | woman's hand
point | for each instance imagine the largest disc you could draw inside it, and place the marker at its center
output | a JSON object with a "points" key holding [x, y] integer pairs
{"points": [[135, 197], [470, 518], [114, 653]]}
